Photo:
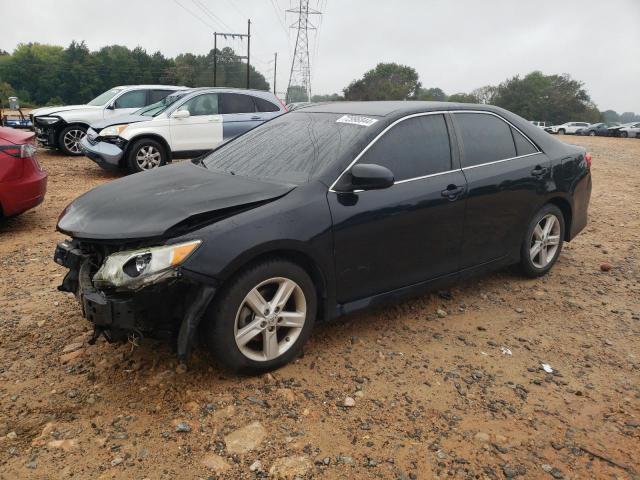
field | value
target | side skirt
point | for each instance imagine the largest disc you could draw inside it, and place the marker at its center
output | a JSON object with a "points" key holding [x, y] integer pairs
{"points": [[419, 288]]}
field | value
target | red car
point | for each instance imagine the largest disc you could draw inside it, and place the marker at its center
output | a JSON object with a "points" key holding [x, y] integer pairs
{"points": [[23, 183]]}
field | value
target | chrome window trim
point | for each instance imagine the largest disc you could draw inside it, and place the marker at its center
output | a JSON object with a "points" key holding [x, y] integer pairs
{"points": [[438, 112], [500, 161]]}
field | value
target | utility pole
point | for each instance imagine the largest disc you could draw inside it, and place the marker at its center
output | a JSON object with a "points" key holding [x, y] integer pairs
{"points": [[300, 75], [248, 52], [215, 59], [238, 57], [275, 71]]}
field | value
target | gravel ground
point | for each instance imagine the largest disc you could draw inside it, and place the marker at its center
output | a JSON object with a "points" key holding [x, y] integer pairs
{"points": [[447, 384]]}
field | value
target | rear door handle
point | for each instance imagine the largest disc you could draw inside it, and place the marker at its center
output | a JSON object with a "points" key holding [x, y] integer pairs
{"points": [[539, 171], [452, 192], [256, 118]]}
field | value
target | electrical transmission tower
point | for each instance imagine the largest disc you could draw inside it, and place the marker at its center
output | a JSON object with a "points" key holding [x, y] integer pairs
{"points": [[300, 75]]}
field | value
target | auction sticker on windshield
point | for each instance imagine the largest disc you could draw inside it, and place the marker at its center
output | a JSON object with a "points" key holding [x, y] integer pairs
{"points": [[357, 120]]}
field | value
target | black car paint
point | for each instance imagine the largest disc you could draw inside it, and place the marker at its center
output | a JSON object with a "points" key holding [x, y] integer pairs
{"points": [[165, 198], [359, 247]]}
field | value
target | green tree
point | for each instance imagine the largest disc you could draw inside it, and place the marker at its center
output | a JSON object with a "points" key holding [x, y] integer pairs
{"points": [[6, 91], [387, 81], [333, 97], [296, 93], [434, 94], [463, 98], [555, 98], [485, 95]]}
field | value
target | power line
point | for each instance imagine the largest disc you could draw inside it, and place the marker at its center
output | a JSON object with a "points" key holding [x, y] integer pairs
{"points": [[194, 15], [210, 14]]}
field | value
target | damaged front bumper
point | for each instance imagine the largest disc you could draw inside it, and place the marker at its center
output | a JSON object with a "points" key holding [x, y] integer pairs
{"points": [[163, 310], [107, 155]]}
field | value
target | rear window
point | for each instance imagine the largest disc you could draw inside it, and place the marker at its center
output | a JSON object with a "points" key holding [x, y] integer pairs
{"points": [[157, 95], [236, 103], [523, 145], [265, 105], [485, 138], [292, 148]]}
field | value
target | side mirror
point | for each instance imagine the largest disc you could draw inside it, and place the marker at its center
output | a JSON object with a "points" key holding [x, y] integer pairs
{"points": [[111, 106], [368, 176], [181, 114]]}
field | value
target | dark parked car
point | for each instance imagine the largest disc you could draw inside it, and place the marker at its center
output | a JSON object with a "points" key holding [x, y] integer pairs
{"points": [[600, 129], [315, 214]]}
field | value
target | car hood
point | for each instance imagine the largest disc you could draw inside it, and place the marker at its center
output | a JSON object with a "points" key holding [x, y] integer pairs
{"points": [[163, 202], [118, 120], [40, 112]]}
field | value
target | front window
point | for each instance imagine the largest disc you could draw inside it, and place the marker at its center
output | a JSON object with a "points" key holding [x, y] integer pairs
{"points": [[292, 148], [103, 98]]}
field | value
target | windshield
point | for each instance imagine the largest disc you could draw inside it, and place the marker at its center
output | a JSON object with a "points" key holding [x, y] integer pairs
{"points": [[157, 108], [104, 97], [289, 149]]}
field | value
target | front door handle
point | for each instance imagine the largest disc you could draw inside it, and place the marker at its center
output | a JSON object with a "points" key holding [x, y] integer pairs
{"points": [[256, 118], [539, 171], [452, 192]]}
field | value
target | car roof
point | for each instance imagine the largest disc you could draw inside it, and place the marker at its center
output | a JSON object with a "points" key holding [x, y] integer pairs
{"points": [[392, 108], [153, 86]]}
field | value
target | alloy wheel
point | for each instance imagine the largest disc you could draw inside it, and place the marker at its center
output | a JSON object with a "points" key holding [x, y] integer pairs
{"points": [[270, 319], [545, 241], [72, 139], [148, 157]]}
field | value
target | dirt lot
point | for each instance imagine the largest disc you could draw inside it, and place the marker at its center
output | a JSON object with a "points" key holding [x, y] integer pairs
{"points": [[433, 388]]}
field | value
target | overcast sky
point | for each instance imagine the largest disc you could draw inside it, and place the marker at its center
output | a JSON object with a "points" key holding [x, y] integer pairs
{"points": [[456, 45]]}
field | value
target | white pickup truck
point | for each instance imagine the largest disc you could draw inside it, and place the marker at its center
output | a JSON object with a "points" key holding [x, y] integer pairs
{"points": [[569, 128], [64, 127]]}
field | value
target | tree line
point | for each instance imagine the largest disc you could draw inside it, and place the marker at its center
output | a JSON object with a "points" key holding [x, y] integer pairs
{"points": [[535, 96], [42, 74]]}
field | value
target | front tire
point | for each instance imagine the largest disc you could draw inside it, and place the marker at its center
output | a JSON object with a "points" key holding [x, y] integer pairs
{"points": [[592, 133], [262, 318], [69, 139], [624, 134], [543, 241], [561, 132], [146, 154]]}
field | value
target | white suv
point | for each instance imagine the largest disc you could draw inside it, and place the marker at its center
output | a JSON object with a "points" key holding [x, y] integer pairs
{"points": [[567, 128], [185, 124], [64, 127]]}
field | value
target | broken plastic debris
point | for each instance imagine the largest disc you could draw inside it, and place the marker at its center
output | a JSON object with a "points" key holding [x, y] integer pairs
{"points": [[505, 350], [547, 368]]}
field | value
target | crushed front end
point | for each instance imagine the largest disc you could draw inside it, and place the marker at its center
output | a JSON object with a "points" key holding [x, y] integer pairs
{"points": [[134, 290]]}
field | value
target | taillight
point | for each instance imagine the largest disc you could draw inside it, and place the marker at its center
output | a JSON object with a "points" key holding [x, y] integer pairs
{"points": [[587, 158], [283, 105], [26, 150]]}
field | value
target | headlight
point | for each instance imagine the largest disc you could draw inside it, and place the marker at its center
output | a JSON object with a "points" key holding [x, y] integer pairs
{"points": [[113, 130], [47, 120], [134, 269]]}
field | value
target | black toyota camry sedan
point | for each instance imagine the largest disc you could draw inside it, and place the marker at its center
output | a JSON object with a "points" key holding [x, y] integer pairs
{"points": [[320, 212]]}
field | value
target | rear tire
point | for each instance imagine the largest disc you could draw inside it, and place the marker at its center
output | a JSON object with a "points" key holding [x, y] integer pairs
{"points": [[249, 330], [592, 133], [69, 140], [543, 241], [146, 154]]}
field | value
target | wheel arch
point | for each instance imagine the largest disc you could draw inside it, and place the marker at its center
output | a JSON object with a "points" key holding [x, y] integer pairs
{"points": [[153, 136], [567, 212], [300, 257]]}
